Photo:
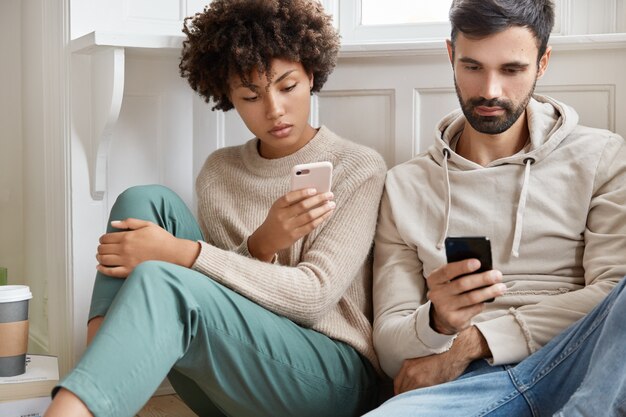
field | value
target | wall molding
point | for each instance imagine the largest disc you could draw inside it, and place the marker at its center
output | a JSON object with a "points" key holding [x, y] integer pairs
{"points": [[610, 89], [388, 140], [58, 212]]}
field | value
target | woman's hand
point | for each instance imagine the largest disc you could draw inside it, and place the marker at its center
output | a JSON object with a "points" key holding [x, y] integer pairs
{"points": [[120, 252], [291, 217]]}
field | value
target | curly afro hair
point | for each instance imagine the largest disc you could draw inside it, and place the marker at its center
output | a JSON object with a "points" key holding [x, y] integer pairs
{"points": [[236, 37]]}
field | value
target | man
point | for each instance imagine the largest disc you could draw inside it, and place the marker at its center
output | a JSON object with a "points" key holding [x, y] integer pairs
{"points": [[548, 193]]}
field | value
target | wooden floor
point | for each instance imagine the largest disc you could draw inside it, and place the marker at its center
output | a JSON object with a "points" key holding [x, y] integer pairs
{"points": [[166, 406]]}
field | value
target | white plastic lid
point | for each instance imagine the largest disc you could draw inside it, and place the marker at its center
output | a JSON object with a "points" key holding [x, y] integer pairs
{"points": [[12, 293]]}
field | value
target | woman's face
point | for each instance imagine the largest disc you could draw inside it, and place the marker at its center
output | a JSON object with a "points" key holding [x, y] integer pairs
{"points": [[276, 112]]}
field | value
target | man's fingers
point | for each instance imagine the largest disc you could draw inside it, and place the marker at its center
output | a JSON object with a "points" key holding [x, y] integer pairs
{"points": [[453, 270], [481, 295], [473, 281]]}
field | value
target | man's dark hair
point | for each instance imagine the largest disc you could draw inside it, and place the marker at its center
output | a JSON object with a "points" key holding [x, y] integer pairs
{"points": [[236, 37], [480, 18]]}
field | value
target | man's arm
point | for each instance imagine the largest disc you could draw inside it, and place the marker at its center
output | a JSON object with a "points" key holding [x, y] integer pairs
{"points": [[403, 328], [469, 346]]}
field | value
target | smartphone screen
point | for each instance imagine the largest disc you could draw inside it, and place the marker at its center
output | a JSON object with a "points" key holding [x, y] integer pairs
{"points": [[316, 175], [478, 247]]}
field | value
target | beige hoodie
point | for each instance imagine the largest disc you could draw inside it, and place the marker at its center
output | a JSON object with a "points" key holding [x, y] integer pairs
{"points": [[555, 214]]}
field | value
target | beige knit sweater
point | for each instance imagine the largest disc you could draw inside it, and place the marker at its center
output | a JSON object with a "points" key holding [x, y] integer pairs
{"points": [[324, 280]]}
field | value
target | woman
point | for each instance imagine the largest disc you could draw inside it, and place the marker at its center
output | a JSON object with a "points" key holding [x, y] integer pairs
{"points": [[264, 307]]}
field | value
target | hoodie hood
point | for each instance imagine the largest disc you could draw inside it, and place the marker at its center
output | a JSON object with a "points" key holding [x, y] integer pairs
{"points": [[549, 122]]}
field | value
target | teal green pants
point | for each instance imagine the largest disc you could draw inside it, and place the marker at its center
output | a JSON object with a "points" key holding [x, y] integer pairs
{"points": [[223, 354]]}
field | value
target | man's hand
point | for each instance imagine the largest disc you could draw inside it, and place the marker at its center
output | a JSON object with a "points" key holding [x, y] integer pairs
{"points": [[456, 297], [437, 369], [120, 252], [291, 217]]}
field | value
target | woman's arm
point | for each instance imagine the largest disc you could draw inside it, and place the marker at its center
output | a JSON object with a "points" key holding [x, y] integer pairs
{"points": [[332, 255]]}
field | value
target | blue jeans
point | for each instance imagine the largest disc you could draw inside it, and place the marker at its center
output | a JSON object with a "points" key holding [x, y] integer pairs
{"points": [[224, 354], [581, 372]]}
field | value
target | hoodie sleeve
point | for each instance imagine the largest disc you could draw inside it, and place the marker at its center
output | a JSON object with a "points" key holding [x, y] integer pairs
{"points": [[401, 311], [604, 262]]}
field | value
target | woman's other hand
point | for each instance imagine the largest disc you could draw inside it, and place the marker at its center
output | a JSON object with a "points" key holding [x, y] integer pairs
{"points": [[120, 252]]}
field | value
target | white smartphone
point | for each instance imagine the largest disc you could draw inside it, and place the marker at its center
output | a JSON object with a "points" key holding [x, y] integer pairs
{"points": [[316, 175]]}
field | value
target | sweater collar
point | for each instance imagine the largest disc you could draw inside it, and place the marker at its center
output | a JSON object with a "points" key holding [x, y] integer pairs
{"points": [[314, 151]]}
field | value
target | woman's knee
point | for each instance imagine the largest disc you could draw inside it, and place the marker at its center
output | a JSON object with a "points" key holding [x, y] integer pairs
{"points": [[144, 193], [149, 270], [145, 202], [153, 274]]}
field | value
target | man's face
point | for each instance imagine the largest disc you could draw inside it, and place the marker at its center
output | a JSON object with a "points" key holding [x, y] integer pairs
{"points": [[495, 77]]}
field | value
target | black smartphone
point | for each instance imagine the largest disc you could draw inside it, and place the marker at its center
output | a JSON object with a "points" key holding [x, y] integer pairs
{"points": [[479, 247]]}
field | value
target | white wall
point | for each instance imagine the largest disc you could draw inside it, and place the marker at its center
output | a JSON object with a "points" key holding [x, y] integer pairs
{"points": [[11, 145], [25, 158], [134, 16]]}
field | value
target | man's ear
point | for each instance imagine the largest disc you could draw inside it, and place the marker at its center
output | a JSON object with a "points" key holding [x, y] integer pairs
{"points": [[543, 62], [450, 51], [311, 80]]}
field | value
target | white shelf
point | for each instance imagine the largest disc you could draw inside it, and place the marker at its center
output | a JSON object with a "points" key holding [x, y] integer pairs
{"points": [[168, 44], [90, 42]]}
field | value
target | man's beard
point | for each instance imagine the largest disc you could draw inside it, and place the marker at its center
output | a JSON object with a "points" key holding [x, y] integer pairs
{"points": [[493, 125]]}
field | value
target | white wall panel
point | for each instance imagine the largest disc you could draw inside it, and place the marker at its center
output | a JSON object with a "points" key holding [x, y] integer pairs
{"points": [[595, 104], [431, 105], [11, 143], [235, 131], [135, 154], [363, 116], [593, 82]]}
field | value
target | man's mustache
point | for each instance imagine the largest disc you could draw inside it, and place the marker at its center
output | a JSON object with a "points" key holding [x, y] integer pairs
{"points": [[494, 102]]}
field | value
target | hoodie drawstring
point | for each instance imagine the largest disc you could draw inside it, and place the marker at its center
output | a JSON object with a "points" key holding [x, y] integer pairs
{"points": [[446, 180], [521, 206]]}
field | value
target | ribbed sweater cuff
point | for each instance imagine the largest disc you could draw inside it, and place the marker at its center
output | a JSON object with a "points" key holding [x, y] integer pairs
{"points": [[211, 261], [243, 250]]}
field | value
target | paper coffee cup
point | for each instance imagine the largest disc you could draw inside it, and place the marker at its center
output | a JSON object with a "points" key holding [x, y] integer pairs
{"points": [[13, 328]]}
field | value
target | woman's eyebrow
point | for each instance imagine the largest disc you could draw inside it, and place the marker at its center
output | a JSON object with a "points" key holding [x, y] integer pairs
{"points": [[255, 87]]}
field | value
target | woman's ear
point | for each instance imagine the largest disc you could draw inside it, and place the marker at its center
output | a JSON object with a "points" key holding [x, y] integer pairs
{"points": [[311, 79]]}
